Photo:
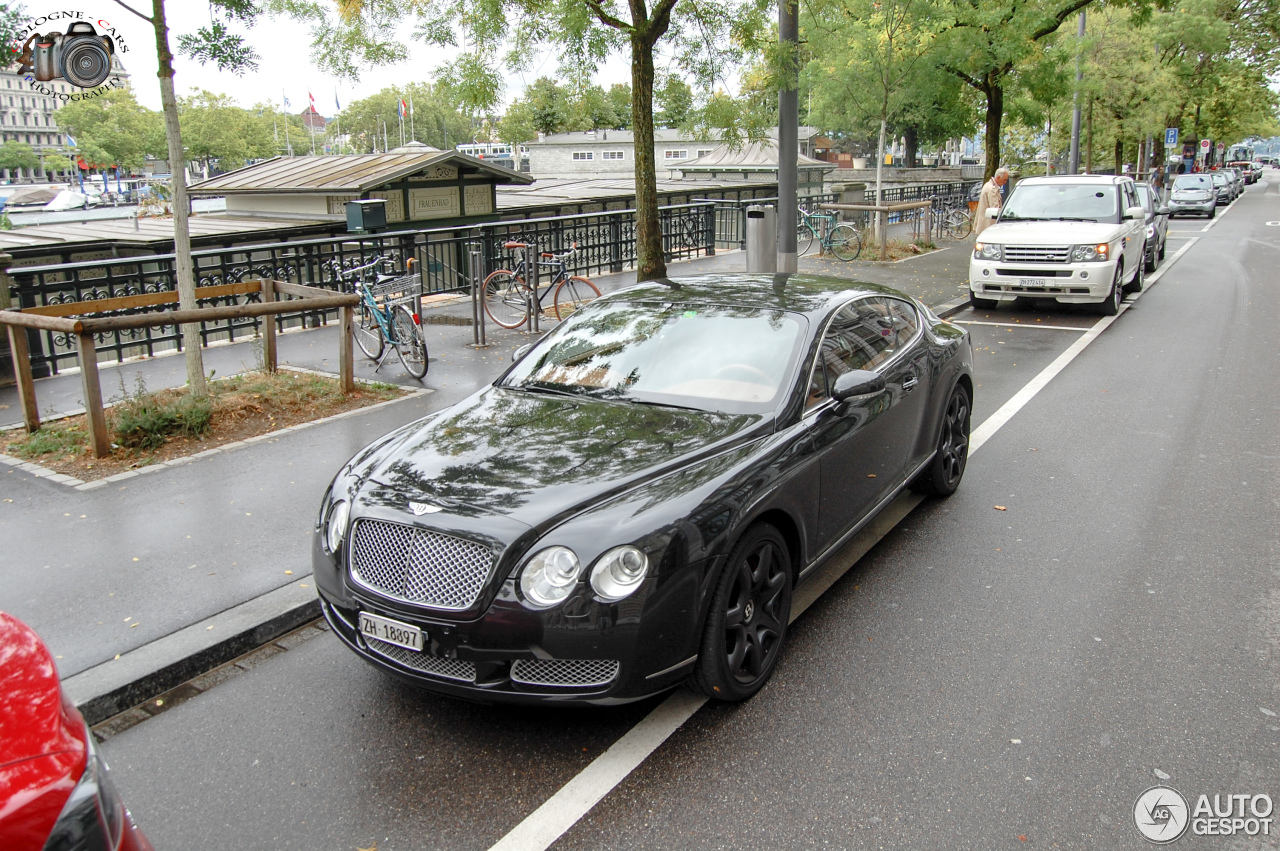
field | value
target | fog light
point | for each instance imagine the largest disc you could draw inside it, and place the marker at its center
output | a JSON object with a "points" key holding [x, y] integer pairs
{"points": [[337, 528], [618, 573], [986, 273], [1084, 275], [549, 576]]}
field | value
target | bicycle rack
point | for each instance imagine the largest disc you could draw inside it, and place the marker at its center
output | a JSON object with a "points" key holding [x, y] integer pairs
{"points": [[477, 310], [531, 272]]}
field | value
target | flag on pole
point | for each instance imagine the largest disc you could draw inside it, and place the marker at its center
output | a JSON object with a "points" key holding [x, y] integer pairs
{"points": [[400, 109], [411, 104], [313, 101], [337, 106], [286, 99], [71, 141]]}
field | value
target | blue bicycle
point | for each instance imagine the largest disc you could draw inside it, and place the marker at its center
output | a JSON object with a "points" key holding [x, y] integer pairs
{"points": [[386, 320]]}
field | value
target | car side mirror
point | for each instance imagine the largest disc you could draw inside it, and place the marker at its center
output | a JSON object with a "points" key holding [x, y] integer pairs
{"points": [[857, 382], [1163, 211], [1135, 213], [521, 352], [993, 213]]}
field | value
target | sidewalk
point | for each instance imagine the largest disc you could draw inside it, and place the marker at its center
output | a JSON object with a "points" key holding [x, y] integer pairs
{"points": [[141, 584]]}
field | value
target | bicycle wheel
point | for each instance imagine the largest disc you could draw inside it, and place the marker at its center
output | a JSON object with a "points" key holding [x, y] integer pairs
{"points": [[410, 343], [959, 225], [368, 333], [846, 242], [804, 238], [506, 299], [572, 294]]}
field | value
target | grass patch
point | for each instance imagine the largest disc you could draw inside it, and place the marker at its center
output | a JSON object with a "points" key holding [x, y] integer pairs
{"points": [[148, 428]]}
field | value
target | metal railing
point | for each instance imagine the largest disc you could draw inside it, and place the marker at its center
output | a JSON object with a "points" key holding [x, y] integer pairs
{"points": [[606, 243], [731, 216]]}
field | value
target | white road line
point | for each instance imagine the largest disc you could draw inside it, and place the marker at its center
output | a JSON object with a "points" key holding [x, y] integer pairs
{"points": [[1218, 217], [1017, 325], [575, 799]]}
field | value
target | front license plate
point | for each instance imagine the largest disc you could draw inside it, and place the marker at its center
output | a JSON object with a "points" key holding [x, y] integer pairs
{"points": [[392, 632], [1033, 282]]}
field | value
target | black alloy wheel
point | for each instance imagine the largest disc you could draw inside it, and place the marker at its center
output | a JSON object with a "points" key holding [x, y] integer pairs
{"points": [[1111, 306], [943, 475], [748, 619]]}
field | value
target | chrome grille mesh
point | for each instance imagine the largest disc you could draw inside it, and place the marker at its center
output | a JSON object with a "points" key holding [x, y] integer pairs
{"points": [[564, 672], [418, 565], [1038, 253], [450, 669]]}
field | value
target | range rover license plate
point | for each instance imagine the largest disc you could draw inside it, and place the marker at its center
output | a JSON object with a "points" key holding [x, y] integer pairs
{"points": [[1033, 282], [392, 632]]}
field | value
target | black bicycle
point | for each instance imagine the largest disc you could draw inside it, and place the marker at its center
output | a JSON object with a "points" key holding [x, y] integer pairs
{"points": [[508, 297]]}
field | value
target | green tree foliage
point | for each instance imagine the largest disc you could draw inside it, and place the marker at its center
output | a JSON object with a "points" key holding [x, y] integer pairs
{"points": [[439, 118], [702, 36], [12, 19], [113, 129], [674, 101], [218, 131], [620, 103], [517, 124], [14, 155]]}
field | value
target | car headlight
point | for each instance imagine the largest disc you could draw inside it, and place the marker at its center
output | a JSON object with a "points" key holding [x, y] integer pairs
{"points": [[94, 815], [549, 576], [1091, 253], [988, 251], [337, 528], [1151, 231], [619, 572]]}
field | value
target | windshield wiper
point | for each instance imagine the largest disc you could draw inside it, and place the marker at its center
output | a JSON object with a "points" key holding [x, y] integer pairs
{"points": [[547, 389], [1073, 219], [1014, 217], [634, 401]]}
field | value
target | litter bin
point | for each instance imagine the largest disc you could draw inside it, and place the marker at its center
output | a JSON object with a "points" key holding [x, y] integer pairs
{"points": [[762, 238]]}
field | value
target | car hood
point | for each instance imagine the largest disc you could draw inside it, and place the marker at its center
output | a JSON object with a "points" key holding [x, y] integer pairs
{"points": [[536, 459], [31, 711], [1050, 233]]}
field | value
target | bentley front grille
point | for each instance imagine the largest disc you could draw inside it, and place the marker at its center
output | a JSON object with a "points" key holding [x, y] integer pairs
{"points": [[449, 669], [566, 673], [419, 566]]}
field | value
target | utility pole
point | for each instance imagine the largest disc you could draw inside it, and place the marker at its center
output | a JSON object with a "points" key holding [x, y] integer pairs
{"points": [[788, 137], [1074, 166]]}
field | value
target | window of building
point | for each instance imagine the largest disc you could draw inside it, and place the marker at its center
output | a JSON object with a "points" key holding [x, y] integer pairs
{"points": [[615, 155], [675, 155], [702, 152], [584, 155]]}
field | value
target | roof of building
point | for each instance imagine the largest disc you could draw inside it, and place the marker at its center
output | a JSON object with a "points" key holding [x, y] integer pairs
{"points": [[626, 137], [148, 231], [553, 192], [345, 173], [753, 156]]}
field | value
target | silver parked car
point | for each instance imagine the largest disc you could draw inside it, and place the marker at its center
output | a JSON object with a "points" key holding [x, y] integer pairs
{"points": [[1193, 193]]}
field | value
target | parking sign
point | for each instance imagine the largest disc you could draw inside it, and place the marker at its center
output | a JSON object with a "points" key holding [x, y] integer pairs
{"points": [[1170, 137]]}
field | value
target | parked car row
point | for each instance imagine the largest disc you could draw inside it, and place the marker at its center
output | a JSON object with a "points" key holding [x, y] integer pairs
{"points": [[1250, 171]]}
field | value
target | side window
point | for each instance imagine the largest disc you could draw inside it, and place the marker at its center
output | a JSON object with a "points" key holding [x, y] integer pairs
{"points": [[862, 335], [905, 320]]}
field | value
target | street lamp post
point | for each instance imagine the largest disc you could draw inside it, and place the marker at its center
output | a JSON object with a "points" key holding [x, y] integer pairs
{"points": [[788, 138], [1074, 167]]}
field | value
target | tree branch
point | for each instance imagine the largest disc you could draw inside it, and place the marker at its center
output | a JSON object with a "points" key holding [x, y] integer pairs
{"points": [[1061, 15], [135, 11], [607, 19]]}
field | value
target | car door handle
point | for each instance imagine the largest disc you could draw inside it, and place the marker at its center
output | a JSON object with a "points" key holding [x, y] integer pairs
{"points": [[910, 383]]}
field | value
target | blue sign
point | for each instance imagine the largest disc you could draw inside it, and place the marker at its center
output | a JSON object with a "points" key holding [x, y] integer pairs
{"points": [[1170, 136]]}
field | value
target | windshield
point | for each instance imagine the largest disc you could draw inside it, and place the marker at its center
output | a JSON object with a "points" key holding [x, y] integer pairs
{"points": [[736, 360], [1219, 178], [1191, 181], [1088, 202]]}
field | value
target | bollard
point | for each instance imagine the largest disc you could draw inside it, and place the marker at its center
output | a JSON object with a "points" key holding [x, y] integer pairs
{"points": [[762, 239], [477, 287], [531, 278]]}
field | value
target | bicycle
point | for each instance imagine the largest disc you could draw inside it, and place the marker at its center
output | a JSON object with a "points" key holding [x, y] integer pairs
{"points": [[954, 218], [386, 318], [508, 296], [841, 239]]}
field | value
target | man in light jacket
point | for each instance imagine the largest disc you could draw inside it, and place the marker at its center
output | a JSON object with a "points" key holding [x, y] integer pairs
{"points": [[989, 199]]}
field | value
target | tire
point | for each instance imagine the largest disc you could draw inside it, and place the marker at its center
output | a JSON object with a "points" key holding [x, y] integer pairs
{"points": [[1139, 277], [506, 299], [1150, 261], [846, 242], [747, 623], [1163, 245], [943, 475], [368, 334], [410, 343], [982, 303], [1111, 306], [572, 295], [804, 239], [1211, 213]]}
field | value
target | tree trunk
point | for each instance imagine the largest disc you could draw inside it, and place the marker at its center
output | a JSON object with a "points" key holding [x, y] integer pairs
{"points": [[912, 143], [182, 262], [650, 262], [1088, 156], [1119, 153], [880, 217], [995, 114]]}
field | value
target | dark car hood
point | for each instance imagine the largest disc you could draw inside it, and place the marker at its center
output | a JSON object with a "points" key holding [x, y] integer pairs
{"points": [[537, 458]]}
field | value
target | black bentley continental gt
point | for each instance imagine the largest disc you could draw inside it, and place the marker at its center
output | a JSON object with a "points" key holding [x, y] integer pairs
{"points": [[631, 504]]}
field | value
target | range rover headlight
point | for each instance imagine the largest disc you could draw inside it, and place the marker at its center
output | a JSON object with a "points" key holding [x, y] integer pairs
{"points": [[336, 529], [1091, 253], [549, 576], [988, 251], [618, 573]]}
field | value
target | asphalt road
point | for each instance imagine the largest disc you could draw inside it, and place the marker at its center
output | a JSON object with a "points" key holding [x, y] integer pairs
{"points": [[982, 679]]}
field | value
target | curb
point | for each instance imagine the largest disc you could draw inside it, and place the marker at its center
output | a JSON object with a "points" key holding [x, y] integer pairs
{"points": [[950, 308], [111, 687]]}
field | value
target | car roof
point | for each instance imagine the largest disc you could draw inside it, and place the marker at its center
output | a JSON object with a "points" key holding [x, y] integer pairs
{"points": [[810, 294]]}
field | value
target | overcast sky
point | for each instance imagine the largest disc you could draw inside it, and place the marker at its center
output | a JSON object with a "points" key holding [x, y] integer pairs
{"points": [[284, 66]]}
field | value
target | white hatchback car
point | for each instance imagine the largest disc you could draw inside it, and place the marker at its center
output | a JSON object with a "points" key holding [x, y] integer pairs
{"points": [[1078, 239]]}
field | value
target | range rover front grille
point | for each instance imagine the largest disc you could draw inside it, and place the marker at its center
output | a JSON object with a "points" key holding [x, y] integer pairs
{"points": [[1037, 253], [418, 565]]}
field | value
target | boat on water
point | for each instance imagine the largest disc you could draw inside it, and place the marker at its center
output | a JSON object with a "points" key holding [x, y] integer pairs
{"points": [[70, 199]]}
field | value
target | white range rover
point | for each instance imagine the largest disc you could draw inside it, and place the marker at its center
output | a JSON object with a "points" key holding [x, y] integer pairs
{"points": [[1078, 239]]}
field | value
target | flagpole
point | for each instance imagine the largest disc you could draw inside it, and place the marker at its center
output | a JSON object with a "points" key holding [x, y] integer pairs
{"points": [[412, 133], [288, 146]]}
